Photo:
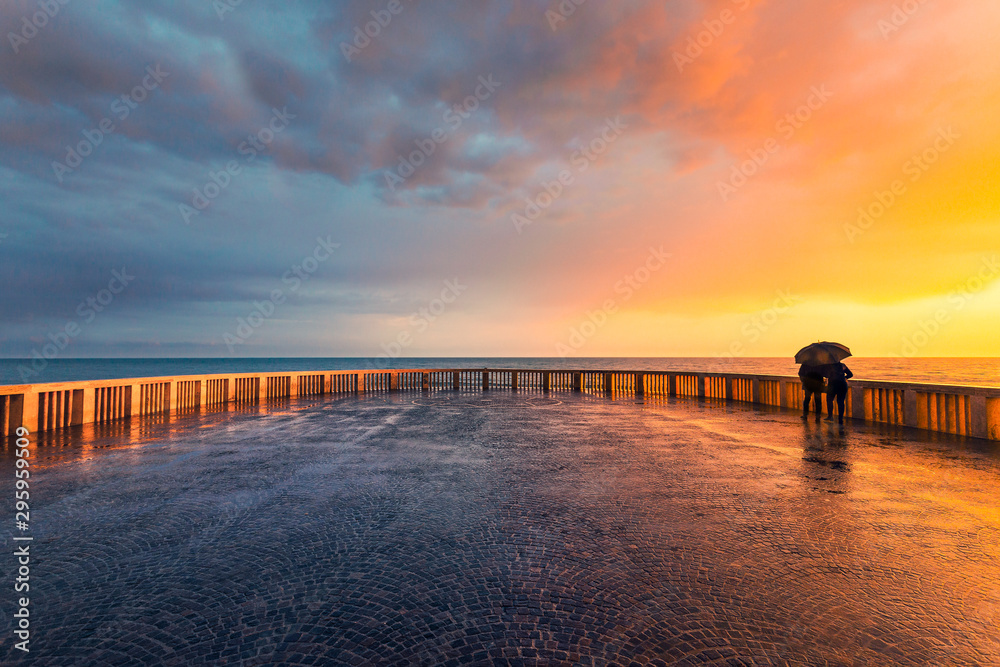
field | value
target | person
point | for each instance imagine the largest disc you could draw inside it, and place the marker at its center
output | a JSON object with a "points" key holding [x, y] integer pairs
{"points": [[838, 374], [812, 384]]}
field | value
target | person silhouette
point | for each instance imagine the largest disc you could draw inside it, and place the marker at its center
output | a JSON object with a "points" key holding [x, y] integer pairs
{"points": [[812, 385], [838, 374]]}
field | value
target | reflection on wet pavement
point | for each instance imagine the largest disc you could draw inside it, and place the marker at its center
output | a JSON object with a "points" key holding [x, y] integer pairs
{"points": [[512, 528]]}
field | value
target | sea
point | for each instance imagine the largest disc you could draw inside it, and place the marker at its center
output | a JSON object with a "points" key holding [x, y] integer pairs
{"points": [[977, 371]]}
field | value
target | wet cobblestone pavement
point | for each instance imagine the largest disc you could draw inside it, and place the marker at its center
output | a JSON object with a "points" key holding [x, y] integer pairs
{"points": [[452, 528]]}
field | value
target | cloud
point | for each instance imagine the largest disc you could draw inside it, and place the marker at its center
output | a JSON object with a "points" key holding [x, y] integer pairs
{"points": [[355, 121]]}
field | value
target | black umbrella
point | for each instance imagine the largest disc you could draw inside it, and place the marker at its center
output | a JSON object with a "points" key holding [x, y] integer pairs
{"points": [[822, 354]]}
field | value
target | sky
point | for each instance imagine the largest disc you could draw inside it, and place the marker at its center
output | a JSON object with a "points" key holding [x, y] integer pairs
{"points": [[520, 178]]}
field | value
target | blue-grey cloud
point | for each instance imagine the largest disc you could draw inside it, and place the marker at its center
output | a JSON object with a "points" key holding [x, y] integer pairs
{"points": [[117, 116]]}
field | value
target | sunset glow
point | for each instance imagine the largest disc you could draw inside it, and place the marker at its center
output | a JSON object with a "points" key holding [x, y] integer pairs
{"points": [[728, 177]]}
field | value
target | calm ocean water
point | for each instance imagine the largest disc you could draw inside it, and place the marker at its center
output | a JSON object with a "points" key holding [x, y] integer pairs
{"points": [[982, 371]]}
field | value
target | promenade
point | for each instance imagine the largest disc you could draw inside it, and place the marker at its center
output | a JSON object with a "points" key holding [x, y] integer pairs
{"points": [[454, 527]]}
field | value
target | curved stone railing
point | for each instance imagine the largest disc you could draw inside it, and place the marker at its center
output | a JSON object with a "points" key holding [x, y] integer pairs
{"points": [[967, 411]]}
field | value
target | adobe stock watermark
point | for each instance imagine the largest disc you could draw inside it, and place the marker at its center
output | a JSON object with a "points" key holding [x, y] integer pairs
{"points": [[914, 168], [293, 278], [566, 8], [453, 119], [625, 289], [372, 29], [418, 322], [786, 127], [223, 7], [989, 611], [900, 16], [581, 160], [87, 312], [122, 108], [256, 143], [928, 329], [3, 235], [791, 643], [22, 552], [713, 29], [760, 323], [31, 24]]}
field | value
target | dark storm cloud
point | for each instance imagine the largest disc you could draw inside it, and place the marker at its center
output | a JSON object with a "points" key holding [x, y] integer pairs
{"points": [[221, 80], [352, 117]]}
